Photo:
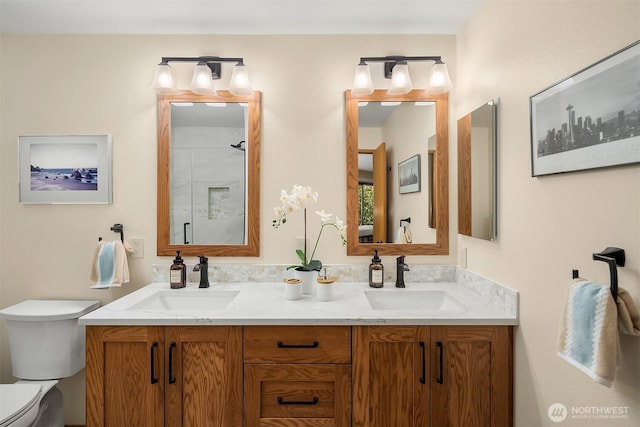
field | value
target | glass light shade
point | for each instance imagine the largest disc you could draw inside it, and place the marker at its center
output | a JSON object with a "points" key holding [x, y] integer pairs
{"points": [[240, 84], [362, 83], [202, 82], [163, 82], [400, 80], [439, 80]]}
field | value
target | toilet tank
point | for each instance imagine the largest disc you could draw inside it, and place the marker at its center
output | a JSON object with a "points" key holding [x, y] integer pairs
{"points": [[45, 338]]}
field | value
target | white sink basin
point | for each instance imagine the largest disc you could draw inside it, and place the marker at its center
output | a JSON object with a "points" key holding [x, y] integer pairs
{"points": [[196, 300], [428, 301]]}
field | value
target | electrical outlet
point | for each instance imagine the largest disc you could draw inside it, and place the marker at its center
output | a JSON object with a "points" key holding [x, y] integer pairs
{"points": [[138, 248], [462, 257], [300, 243]]}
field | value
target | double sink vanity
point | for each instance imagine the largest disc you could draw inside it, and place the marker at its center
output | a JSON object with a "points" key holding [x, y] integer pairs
{"points": [[239, 354], [438, 353]]}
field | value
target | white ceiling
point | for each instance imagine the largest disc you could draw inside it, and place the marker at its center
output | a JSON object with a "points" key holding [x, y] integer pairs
{"points": [[235, 16]]}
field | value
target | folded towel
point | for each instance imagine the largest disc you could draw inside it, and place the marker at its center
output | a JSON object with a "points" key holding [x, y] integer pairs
{"points": [[628, 315], [403, 235], [589, 332], [110, 266]]}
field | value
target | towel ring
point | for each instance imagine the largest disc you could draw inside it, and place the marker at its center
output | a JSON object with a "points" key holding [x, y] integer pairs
{"points": [[117, 228], [613, 257]]}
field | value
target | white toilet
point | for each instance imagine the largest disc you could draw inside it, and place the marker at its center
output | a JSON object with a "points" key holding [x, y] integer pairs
{"points": [[47, 344]]}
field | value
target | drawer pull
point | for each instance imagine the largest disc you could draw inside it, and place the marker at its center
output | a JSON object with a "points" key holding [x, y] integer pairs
{"points": [[440, 379], [172, 379], [283, 345], [281, 401], [423, 378], [154, 379]]}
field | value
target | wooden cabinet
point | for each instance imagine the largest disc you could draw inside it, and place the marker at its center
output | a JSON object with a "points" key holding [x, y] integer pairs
{"points": [[472, 376], [157, 376], [125, 382], [409, 376], [390, 385], [297, 376], [436, 376]]}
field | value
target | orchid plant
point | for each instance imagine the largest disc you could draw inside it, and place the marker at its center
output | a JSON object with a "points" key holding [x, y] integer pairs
{"points": [[299, 199]]}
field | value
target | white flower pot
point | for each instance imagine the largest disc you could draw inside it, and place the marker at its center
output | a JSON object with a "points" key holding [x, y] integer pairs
{"points": [[308, 280]]}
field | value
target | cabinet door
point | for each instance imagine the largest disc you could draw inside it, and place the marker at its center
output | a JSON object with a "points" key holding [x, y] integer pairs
{"points": [[471, 376], [204, 376], [390, 368], [125, 376]]}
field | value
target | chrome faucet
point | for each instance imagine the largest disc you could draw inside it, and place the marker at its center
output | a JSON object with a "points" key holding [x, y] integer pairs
{"points": [[401, 267], [203, 268]]}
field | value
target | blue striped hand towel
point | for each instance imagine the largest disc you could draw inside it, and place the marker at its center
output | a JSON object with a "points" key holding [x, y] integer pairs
{"points": [[588, 336], [110, 267]]}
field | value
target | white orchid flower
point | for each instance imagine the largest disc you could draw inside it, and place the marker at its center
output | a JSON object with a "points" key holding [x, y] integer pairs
{"points": [[324, 217]]}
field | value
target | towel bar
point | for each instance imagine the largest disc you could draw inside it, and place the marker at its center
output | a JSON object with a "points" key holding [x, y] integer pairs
{"points": [[613, 257]]}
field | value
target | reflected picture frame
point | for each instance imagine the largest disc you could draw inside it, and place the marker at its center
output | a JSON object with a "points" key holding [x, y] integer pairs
{"points": [[590, 119], [65, 169], [409, 177]]}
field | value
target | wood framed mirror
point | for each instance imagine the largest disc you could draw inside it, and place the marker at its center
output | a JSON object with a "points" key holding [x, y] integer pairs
{"points": [[425, 201], [209, 174], [477, 172]]}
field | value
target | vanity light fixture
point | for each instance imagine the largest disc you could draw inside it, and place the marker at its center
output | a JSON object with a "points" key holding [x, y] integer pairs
{"points": [[397, 69], [207, 69]]}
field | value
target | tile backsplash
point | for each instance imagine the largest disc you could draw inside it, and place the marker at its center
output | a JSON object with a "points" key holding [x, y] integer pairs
{"points": [[231, 273]]}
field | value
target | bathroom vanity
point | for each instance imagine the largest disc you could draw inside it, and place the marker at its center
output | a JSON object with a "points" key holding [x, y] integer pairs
{"points": [[246, 356]]}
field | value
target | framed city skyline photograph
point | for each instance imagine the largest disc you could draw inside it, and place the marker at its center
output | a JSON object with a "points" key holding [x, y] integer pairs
{"points": [[590, 119], [65, 169], [409, 175]]}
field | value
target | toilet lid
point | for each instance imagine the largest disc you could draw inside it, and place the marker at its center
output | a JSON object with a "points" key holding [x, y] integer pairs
{"points": [[16, 400], [42, 310]]}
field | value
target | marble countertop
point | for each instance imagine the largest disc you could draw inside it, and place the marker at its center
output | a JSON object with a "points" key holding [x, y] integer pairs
{"points": [[264, 304]]}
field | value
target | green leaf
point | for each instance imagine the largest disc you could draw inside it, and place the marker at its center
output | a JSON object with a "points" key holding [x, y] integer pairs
{"points": [[314, 265], [302, 256]]}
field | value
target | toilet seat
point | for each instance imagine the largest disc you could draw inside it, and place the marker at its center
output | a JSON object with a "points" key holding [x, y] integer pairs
{"points": [[19, 403]]}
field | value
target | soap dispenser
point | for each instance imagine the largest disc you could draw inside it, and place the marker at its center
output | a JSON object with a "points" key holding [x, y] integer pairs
{"points": [[178, 274], [376, 272]]}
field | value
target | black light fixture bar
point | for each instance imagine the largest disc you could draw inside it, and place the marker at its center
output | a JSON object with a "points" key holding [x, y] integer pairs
{"points": [[213, 62], [391, 61]]}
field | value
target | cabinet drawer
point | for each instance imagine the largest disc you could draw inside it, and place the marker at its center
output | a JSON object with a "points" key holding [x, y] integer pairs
{"points": [[297, 344], [300, 395]]}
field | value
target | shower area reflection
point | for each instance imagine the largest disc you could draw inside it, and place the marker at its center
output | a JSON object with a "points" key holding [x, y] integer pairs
{"points": [[208, 173]]}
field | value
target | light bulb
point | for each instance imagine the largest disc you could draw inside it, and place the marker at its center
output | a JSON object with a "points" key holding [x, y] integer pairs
{"points": [[240, 84], [439, 80], [163, 82], [202, 82], [400, 80], [362, 84]]}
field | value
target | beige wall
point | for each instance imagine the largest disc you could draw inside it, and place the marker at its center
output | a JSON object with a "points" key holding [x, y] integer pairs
{"points": [[101, 84], [548, 226], [510, 49]]}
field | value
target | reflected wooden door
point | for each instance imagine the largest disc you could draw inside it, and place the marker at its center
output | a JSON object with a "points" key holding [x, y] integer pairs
{"points": [[380, 193]]}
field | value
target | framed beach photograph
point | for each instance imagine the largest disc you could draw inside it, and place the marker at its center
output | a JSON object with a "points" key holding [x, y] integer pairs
{"points": [[590, 119], [409, 175], [73, 169]]}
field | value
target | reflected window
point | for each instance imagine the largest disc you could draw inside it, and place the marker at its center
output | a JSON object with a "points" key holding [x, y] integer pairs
{"points": [[365, 212]]}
